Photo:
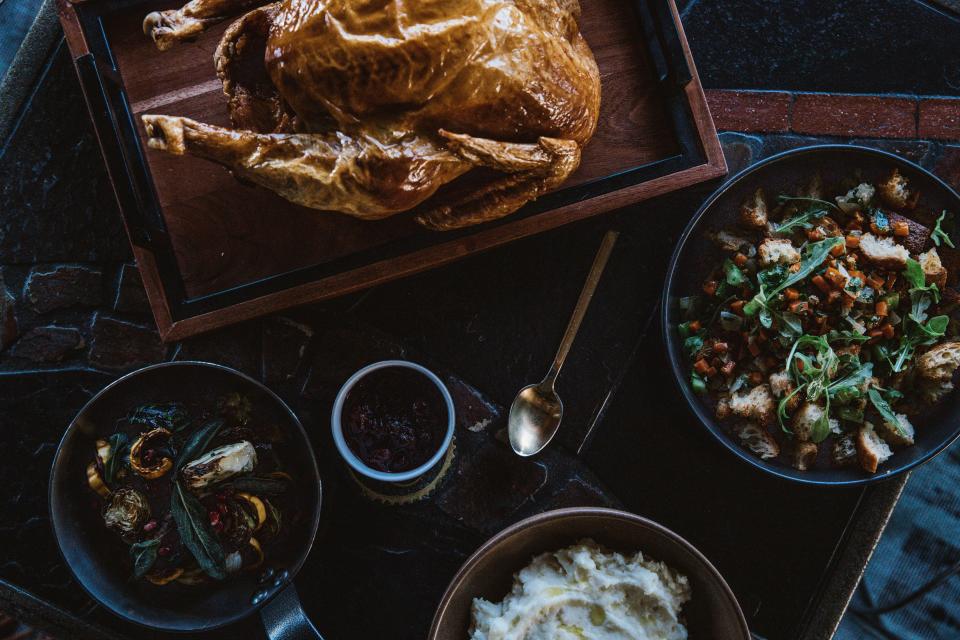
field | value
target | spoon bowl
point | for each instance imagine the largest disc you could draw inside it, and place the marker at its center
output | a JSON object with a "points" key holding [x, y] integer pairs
{"points": [[536, 411], [534, 419]]}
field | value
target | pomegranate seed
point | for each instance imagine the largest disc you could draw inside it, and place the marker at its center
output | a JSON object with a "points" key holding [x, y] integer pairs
{"points": [[150, 526], [214, 517], [163, 551], [222, 507]]}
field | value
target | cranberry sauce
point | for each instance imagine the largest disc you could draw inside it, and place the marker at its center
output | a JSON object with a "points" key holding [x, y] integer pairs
{"points": [[394, 419]]}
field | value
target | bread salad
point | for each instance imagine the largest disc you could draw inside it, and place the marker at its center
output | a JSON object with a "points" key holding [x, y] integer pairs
{"points": [[195, 493], [825, 329]]}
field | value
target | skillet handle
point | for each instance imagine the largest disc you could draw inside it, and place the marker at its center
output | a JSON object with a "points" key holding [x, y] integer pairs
{"points": [[284, 618]]}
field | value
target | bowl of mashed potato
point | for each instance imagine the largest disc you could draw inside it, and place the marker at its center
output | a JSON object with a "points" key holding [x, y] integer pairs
{"points": [[588, 574]]}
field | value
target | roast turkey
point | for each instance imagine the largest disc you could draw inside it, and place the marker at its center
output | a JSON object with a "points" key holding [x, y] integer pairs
{"points": [[367, 107]]}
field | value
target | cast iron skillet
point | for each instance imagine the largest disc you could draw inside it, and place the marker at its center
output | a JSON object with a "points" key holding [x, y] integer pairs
{"points": [[93, 554], [712, 612], [696, 255]]}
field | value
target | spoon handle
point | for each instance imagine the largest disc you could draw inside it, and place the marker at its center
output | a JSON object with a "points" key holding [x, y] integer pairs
{"points": [[586, 295]]}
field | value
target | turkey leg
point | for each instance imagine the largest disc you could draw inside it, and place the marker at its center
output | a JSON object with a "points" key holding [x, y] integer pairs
{"points": [[177, 25], [364, 176], [534, 169]]}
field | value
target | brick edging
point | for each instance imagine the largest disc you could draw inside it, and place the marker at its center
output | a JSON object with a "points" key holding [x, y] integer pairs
{"points": [[836, 114]]}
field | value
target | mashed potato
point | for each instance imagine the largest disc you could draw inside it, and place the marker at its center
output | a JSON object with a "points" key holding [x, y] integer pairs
{"points": [[584, 592]]}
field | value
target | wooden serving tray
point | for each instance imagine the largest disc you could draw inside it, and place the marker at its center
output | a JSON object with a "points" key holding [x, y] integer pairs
{"points": [[214, 252]]}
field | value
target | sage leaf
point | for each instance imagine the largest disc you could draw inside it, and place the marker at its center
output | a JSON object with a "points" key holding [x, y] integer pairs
{"points": [[144, 556], [119, 450], [195, 532], [198, 443]]}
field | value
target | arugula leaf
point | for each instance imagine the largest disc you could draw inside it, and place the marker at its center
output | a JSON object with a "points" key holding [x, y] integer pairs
{"points": [[813, 256], [801, 221], [939, 235], [194, 530], [783, 199], [885, 410], [144, 556]]}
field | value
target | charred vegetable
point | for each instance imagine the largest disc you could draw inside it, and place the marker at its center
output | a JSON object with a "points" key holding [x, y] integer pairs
{"points": [[220, 464], [187, 492], [127, 511]]}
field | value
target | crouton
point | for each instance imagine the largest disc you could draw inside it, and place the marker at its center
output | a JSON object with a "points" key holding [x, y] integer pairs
{"points": [[932, 268], [756, 404], [900, 434], [730, 241], [935, 370], [894, 193], [758, 440], [773, 251], [804, 420], [804, 455], [883, 252], [861, 194], [844, 451], [941, 362], [871, 449], [753, 212]]}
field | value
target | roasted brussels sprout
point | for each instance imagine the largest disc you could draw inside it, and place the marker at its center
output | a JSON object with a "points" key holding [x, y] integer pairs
{"points": [[127, 511]]}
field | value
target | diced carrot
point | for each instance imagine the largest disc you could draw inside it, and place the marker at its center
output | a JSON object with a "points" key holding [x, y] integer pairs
{"points": [[799, 307], [877, 230], [710, 287], [791, 293], [799, 365], [835, 277], [875, 333], [794, 267], [694, 326], [838, 251], [701, 366], [891, 280], [720, 347], [739, 259], [728, 368], [874, 281], [887, 329], [833, 296], [820, 283], [737, 307], [855, 225], [900, 228], [881, 308], [712, 371], [814, 235], [853, 242]]}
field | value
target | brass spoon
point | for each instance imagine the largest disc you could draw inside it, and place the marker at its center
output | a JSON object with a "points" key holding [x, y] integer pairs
{"points": [[537, 410]]}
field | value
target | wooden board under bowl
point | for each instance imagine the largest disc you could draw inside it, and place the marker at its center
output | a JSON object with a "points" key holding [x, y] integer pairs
{"points": [[213, 251]]}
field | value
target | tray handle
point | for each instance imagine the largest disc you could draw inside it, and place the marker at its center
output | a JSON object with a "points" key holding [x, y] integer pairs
{"points": [[112, 146], [666, 49], [284, 618]]}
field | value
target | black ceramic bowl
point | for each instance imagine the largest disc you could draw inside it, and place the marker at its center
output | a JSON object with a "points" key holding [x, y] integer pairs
{"points": [[696, 255], [95, 555]]}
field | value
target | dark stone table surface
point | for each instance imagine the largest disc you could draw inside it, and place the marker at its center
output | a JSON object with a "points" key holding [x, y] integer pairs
{"points": [[73, 316]]}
